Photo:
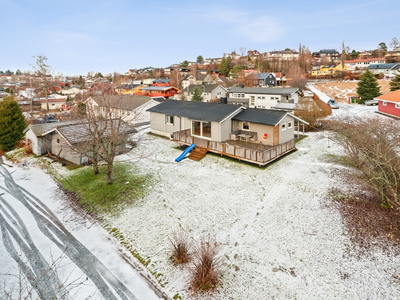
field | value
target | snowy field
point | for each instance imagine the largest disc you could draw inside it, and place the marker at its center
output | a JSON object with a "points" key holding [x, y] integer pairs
{"points": [[280, 239]]}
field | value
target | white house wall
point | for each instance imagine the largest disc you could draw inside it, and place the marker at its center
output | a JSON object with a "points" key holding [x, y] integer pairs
{"points": [[288, 134]]}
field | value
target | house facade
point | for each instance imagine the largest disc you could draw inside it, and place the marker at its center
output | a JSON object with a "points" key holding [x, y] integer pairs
{"points": [[389, 104], [160, 91], [264, 98], [386, 69], [226, 129], [208, 91]]}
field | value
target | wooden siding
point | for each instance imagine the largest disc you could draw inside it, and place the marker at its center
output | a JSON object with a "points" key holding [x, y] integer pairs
{"points": [[253, 156]]}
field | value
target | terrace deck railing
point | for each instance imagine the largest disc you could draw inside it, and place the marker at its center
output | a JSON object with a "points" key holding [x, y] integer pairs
{"points": [[250, 155]]}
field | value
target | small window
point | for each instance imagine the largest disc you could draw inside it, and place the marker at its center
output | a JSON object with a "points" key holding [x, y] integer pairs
{"points": [[384, 103], [246, 126], [58, 141], [283, 126], [169, 120], [289, 124], [397, 105]]}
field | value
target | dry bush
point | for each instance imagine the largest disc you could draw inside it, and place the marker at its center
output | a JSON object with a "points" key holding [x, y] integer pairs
{"points": [[372, 145], [206, 268], [181, 245], [28, 147], [325, 108]]}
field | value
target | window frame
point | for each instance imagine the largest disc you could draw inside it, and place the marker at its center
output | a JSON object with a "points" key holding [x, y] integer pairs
{"points": [[384, 103], [168, 118], [289, 125], [248, 129], [283, 126]]}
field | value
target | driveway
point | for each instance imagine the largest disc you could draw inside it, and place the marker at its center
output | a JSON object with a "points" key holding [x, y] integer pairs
{"points": [[47, 246]]}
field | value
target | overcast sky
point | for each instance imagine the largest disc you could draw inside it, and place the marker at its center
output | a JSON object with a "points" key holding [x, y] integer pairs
{"points": [[116, 35]]}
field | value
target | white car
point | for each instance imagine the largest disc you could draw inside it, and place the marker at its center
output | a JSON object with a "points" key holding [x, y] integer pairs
{"points": [[332, 103], [371, 102]]}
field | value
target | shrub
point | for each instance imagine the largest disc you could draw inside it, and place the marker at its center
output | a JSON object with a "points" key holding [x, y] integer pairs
{"points": [[181, 245], [206, 268]]}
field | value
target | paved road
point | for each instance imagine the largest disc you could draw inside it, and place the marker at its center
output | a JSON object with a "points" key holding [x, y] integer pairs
{"points": [[58, 265]]}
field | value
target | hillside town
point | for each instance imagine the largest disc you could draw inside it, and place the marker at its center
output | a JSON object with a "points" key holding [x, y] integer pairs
{"points": [[251, 174]]}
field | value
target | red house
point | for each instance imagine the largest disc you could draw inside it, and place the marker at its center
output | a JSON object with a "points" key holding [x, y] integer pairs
{"points": [[160, 91], [389, 104], [162, 82]]}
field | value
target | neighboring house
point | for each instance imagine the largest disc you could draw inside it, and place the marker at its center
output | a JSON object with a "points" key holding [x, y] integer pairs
{"points": [[389, 104], [208, 91], [386, 69], [196, 79], [72, 92], [265, 79], [362, 64], [126, 89], [331, 53], [4, 95], [148, 81], [55, 101], [160, 91], [132, 109], [394, 54], [327, 70], [254, 135], [281, 55], [264, 98], [162, 82], [65, 139]]}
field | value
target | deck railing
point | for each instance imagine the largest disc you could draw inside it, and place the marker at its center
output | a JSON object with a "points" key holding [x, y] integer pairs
{"points": [[242, 153]]}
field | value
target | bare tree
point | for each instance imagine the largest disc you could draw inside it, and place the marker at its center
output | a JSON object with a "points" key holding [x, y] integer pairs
{"points": [[44, 72], [243, 50], [297, 77], [395, 43]]}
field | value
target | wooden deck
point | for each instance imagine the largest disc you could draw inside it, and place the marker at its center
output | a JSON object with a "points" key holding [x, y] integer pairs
{"points": [[250, 152]]}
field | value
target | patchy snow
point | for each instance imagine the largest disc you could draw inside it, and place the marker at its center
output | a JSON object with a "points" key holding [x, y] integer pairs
{"points": [[279, 238], [99, 254]]}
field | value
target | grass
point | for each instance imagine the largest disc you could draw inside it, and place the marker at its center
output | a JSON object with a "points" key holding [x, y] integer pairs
{"points": [[96, 196]]}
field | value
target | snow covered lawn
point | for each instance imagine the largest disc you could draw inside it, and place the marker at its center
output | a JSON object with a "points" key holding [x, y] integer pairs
{"points": [[279, 237]]}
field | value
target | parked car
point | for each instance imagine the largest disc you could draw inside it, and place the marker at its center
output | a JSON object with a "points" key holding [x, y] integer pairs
{"points": [[371, 102], [332, 103]]}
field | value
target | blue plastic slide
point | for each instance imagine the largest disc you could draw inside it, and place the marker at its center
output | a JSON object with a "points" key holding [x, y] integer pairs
{"points": [[184, 153]]}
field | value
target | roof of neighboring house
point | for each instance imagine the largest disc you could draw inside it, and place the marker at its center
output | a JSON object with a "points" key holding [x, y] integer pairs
{"points": [[158, 88], [332, 51], [162, 80], [52, 100], [130, 86], [263, 116], [391, 97], [203, 111], [124, 102], [207, 88], [264, 75], [40, 129], [285, 106], [269, 91], [223, 79], [78, 133], [383, 66]]}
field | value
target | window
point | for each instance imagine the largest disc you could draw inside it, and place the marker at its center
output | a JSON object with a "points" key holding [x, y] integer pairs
{"points": [[206, 129], [384, 103], [283, 126], [169, 120], [58, 141], [246, 126], [262, 97], [397, 105], [252, 100], [289, 124], [196, 128]]}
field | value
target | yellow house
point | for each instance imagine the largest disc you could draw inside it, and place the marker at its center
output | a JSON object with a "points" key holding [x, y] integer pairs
{"points": [[328, 70], [129, 89]]}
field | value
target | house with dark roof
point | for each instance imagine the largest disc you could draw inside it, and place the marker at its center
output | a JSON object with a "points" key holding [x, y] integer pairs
{"points": [[68, 140], [160, 91], [262, 97], [254, 135], [265, 79], [333, 54], [386, 69], [162, 82]]}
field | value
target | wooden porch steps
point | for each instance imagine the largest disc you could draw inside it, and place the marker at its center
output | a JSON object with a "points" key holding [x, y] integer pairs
{"points": [[198, 153]]}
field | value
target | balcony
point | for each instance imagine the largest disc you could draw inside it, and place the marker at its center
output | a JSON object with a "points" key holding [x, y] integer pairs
{"points": [[256, 153]]}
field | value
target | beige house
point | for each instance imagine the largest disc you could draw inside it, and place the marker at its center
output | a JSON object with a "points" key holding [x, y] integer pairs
{"points": [[227, 129], [67, 140]]}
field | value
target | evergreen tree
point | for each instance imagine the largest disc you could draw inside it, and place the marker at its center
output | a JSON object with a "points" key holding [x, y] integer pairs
{"points": [[229, 63], [197, 95], [395, 83], [368, 87], [223, 68], [12, 123]]}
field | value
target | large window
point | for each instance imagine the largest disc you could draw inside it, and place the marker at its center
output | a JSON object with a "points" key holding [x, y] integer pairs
{"points": [[196, 128], [246, 126], [201, 129]]}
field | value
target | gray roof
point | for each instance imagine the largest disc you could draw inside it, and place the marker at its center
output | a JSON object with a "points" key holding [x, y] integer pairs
{"points": [[382, 66], [40, 129], [124, 102], [285, 106], [260, 116], [203, 111], [263, 75], [269, 91], [207, 88], [78, 133], [162, 80]]}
